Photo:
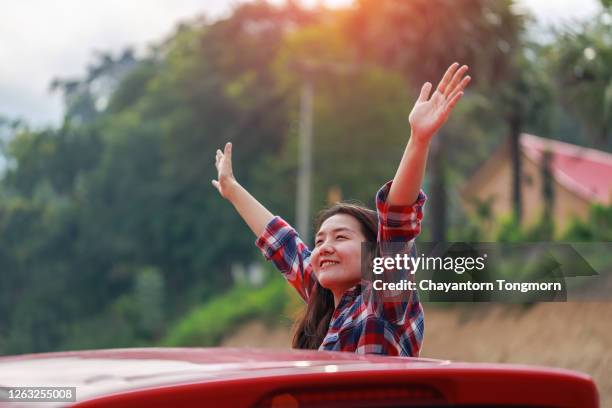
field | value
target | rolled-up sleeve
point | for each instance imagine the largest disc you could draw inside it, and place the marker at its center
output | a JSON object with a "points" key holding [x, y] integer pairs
{"points": [[398, 222], [281, 244]]}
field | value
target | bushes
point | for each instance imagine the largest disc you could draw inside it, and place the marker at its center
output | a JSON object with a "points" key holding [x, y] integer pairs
{"points": [[597, 228], [206, 325], [511, 231]]}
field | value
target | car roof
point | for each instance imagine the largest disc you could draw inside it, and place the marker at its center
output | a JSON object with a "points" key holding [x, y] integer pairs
{"points": [[135, 367], [98, 373]]}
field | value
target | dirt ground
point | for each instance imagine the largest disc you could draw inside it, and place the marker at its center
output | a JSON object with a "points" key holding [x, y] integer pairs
{"points": [[576, 336]]}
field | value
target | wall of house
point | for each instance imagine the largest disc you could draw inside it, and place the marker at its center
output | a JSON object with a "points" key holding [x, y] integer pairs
{"points": [[567, 204], [497, 184]]}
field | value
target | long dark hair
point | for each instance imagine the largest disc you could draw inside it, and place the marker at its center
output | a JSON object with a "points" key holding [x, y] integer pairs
{"points": [[310, 330]]}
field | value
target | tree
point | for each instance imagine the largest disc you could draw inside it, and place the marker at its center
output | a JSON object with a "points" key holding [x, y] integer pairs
{"points": [[124, 187], [581, 59], [525, 96], [421, 38], [86, 98]]}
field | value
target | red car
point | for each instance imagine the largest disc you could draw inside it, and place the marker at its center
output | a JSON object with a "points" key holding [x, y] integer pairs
{"points": [[232, 377]]}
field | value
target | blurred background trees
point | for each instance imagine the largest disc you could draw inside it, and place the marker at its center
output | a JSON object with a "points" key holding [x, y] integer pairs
{"points": [[110, 231]]}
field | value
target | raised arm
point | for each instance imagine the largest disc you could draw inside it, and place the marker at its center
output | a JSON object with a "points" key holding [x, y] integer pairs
{"points": [[427, 116], [252, 211], [399, 205], [277, 240]]}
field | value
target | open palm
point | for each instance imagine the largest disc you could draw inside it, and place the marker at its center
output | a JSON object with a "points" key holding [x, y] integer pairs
{"points": [[225, 174], [430, 113]]}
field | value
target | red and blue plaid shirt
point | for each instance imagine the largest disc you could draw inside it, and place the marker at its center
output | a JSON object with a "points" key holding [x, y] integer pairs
{"points": [[359, 323]]}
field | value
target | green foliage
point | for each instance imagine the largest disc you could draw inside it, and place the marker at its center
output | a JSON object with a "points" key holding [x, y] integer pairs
{"points": [[598, 227], [125, 182], [206, 325], [56, 157], [542, 231], [135, 318], [595, 229], [581, 57], [511, 231], [149, 295]]}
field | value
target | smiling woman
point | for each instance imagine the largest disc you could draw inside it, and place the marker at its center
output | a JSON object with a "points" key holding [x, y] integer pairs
{"points": [[341, 312]]}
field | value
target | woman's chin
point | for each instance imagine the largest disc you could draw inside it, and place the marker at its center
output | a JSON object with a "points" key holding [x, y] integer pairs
{"points": [[331, 282], [326, 281]]}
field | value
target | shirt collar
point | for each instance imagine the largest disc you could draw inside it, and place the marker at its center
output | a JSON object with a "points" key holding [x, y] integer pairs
{"points": [[351, 293]]}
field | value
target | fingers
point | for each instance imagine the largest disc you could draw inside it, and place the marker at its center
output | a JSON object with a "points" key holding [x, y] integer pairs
{"points": [[452, 102], [459, 88], [425, 91], [447, 77], [216, 184], [227, 152], [457, 77]]}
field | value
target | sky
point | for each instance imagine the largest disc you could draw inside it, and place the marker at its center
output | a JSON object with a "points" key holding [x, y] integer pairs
{"points": [[41, 40]]}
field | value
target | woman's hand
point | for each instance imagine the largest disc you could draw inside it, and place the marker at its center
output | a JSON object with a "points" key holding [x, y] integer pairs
{"points": [[429, 114], [226, 182]]}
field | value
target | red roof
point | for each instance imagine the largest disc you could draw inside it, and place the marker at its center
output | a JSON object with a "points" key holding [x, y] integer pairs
{"points": [[587, 172]]}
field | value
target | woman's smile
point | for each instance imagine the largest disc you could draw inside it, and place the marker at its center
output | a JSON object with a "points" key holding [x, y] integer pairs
{"points": [[327, 262]]}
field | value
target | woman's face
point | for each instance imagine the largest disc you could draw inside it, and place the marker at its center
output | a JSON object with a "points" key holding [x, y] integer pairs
{"points": [[336, 258]]}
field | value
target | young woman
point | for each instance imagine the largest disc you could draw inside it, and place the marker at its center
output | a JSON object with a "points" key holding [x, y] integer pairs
{"points": [[341, 312]]}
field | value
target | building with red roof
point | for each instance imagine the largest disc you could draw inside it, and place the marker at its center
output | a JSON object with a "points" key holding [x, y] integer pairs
{"points": [[580, 177]]}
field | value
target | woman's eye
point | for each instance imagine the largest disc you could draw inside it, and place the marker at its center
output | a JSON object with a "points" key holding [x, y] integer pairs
{"points": [[341, 237], [319, 242]]}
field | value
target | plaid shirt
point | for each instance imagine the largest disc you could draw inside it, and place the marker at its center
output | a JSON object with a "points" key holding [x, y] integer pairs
{"points": [[359, 323]]}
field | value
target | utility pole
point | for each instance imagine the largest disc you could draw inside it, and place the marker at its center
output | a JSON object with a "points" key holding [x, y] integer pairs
{"points": [[304, 181], [309, 71]]}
